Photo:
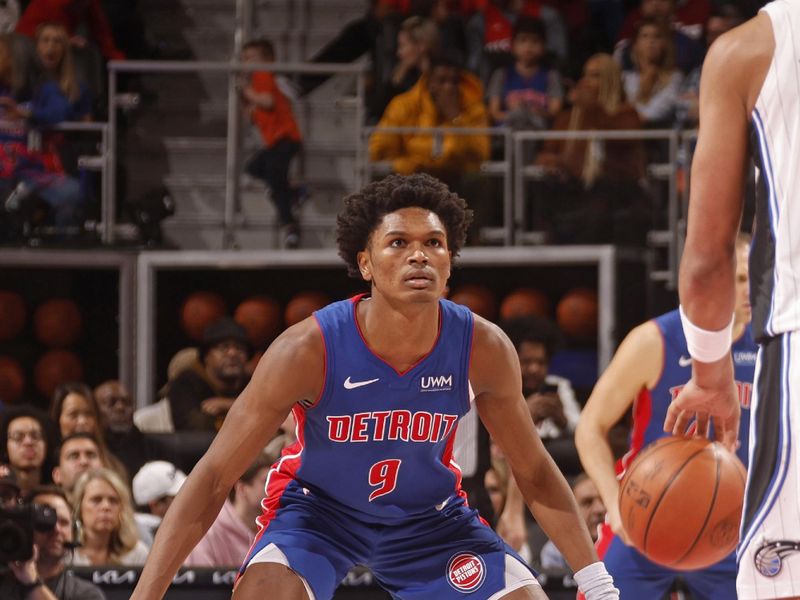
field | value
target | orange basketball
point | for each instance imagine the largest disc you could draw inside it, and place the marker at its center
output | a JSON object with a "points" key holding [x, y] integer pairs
{"points": [[12, 380], [57, 323], [54, 368], [478, 298], [576, 313], [261, 318], [524, 302], [199, 310], [12, 315], [303, 305], [681, 501]]}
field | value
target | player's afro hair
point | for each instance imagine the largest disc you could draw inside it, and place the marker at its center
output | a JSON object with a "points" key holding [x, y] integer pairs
{"points": [[364, 210]]}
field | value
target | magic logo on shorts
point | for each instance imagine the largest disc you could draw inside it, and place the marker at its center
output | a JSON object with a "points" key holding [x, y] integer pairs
{"points": [[466, 572]]}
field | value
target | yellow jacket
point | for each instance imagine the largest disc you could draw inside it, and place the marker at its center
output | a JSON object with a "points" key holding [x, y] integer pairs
{"points": [[412, 152]]}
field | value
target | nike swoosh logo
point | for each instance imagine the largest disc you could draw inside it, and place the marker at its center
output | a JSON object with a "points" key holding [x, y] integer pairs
{"points": [[684, 361], [351, 385]]}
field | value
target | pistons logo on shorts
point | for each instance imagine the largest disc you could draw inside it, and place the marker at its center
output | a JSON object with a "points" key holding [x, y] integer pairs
{"points": [[466, 572]]}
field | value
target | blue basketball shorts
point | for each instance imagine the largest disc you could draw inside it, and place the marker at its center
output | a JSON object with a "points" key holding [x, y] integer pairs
{"points": [[446, 554]]}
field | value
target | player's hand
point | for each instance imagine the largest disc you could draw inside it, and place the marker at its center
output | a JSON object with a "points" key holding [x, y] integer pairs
{"points": [[709, 400], [511, 527], [216, 406], [547, 406]]}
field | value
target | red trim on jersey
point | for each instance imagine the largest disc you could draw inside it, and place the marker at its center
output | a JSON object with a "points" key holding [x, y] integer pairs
{"points": [[642, 413], [447, 461], [356, 299]]}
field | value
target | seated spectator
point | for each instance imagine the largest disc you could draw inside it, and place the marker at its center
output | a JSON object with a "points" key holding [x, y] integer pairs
{"points": [[9, 488], [271, 112], [122, 437], [74, 409], [104, 515], [528, 94], [79, 452], [9, 15], [227, 541], [45, 576], [593, 511], [688, 49], [200, 400], [155, 486], [27, 443], [72, 14], [489, 33], [446, 96], [417, 39], [496, 482], [653, 84]]}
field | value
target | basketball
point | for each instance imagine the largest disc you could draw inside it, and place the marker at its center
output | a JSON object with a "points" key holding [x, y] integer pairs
{"points": [[54, 368], [199, 310], [524, 302], [303, 305], [478, 298], [576, 313], [12, 315], [57, 323], [12, 380], [261, 318], [681, 502]]}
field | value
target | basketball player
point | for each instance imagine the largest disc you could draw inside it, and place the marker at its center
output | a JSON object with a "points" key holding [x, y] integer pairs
{"points": [[377, 384], [750, 85], [650, 367]]}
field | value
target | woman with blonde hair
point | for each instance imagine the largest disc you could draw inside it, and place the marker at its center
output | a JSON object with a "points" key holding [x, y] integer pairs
{"points": [[653, 85], [55, 57], [104, 516]]}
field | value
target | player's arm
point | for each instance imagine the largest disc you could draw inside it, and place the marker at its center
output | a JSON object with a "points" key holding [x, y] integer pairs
{"points": [[733, 73], [290, 370], [637, 364], [497, 382]]}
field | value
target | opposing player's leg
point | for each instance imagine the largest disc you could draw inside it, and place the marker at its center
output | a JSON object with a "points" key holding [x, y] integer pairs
{"points": [[280, 580], [531, 592], [769, 547]]}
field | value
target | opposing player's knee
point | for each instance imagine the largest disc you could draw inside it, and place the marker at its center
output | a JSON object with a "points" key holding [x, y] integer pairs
{"points": [[279, 579], [529, 592]]}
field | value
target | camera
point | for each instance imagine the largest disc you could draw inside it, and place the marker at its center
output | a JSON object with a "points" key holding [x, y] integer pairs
{"points": [[17, 525]]}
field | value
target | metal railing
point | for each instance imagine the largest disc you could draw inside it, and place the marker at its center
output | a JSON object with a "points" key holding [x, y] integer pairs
{"points": [[501, 168]]}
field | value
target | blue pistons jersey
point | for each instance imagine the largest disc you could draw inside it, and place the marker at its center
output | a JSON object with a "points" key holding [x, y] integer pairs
{"points": [[378, 441]]}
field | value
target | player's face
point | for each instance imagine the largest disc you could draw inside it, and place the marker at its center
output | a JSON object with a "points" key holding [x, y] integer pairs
{"points": [[590, 504], [742, 311], [407, 256]]}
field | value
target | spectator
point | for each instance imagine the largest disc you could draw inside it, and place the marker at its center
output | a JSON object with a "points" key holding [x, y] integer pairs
{"points": [[72, 14], [489, 33], [9, 488], [9, 15], [122, 437], [27, 443], [45, 577], [227, 541], [598, 103], [688, 49], [593, 511], [79, 453], [528, 94], [271, 112], [105, 518], [200, 401], [74, 409], [446, 96], [155, 485], [496, 481], [653, 84], [59, 96], [417, 39]]}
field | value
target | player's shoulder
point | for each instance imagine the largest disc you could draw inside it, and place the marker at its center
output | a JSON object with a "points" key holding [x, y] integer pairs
{"points": [[299, 343], [488, 336]]}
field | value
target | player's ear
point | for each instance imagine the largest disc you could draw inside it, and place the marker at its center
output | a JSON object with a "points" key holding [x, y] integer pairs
{"points": [[364, 266]]}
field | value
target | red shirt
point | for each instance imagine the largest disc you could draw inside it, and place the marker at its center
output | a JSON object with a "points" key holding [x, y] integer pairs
{"points": [[70, 14], [278, 123]]}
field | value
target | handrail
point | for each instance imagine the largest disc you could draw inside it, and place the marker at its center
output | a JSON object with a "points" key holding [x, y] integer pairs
{"points": [[186, 66]]}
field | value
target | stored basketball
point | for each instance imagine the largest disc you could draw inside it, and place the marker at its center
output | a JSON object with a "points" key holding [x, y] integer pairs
{"points": [[12, 380], [681, 502], [12, 315], [57, 323], [303, 305], [261, 318], [576, 313], [478, 298], [199, 310], [54, 368], [523, 303]]}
